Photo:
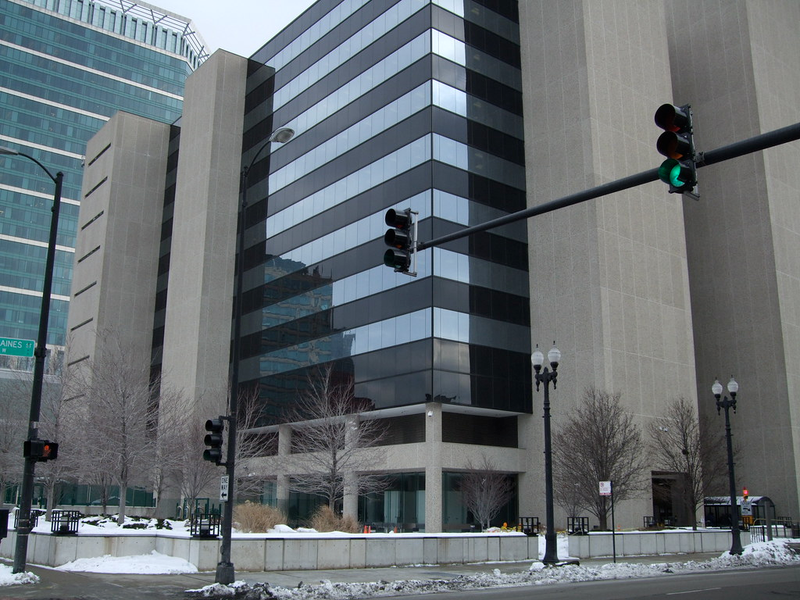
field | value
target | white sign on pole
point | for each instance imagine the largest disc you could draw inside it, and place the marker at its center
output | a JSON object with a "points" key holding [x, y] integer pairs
{"points": [[605, 488], [223, 488]]}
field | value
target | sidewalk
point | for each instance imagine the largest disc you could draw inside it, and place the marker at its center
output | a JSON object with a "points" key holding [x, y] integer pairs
{"points": [[94, 586]]}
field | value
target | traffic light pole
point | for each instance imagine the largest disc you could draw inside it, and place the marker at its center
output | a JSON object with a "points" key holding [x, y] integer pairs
{"points": [[735, 150], [226, 574], [24, 524]]}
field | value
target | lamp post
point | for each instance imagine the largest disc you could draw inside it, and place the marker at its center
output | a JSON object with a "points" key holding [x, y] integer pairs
{"points": [[225, 571], [548, 376], [726, 404], [24, 520]]}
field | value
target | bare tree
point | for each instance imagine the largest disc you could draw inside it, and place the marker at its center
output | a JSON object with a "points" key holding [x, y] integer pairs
{"points": [[54, 426], [333, 449], [250, 479], [119, 416], [179, 445], [677, 445], [13, 431], [568, 496], [192, 475], [485, 491], [14, 428], [599, 442]]}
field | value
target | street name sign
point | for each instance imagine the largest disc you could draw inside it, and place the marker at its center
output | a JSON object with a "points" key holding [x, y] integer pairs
{"points": [[15, 347]]}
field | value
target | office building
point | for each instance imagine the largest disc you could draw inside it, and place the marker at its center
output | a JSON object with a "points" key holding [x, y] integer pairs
{"points": [[462, 111], [67, 66]]}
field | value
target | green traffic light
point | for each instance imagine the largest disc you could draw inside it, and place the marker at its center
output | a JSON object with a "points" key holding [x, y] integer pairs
{"points": [[675, 174]]}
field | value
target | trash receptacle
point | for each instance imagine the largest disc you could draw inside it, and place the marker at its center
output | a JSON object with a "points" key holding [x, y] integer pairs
{"points": [[65, 522], [205, 526]]}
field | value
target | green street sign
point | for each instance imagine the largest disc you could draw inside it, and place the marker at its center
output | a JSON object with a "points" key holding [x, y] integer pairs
{"points": [[14, 347]]}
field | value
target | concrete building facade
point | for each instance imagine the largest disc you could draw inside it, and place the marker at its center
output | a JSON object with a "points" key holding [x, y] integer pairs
{"points": [[463, 111]]}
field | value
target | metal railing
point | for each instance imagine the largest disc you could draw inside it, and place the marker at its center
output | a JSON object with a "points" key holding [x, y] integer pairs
{"points": [[781, 527]]}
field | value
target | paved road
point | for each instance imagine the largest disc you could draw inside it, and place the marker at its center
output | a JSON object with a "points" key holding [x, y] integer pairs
{"points": [[58, 585], [762, 584]]}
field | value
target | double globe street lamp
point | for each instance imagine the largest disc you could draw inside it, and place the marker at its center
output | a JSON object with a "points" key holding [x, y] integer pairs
{"points": [[548, 376], [726, 404]]}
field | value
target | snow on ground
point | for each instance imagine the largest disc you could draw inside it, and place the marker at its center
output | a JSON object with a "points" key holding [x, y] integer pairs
{"points": [[145, 564], [9, 578], [756, 555], [776, 553]]}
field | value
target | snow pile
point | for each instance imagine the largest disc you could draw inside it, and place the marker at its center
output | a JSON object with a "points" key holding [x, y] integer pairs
{"points": [[146, 564], [757, 555], [9, 578]]}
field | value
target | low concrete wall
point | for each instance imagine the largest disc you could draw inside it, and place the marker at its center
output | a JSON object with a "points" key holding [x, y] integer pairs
{"points": [[636, 543], [300, 552]]}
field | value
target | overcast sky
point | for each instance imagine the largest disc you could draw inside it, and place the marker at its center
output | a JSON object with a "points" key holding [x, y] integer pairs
{"points": [[240, 26]]}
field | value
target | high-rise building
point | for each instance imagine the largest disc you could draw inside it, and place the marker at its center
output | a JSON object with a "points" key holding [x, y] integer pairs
{"points": [[462, 111], [66, 67]]}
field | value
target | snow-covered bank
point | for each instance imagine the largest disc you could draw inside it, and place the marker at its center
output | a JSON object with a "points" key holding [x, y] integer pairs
{"points": [[762, 554]]}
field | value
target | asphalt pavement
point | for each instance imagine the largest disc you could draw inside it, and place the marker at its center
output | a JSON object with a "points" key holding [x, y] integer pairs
{"points": [[60, 585]]}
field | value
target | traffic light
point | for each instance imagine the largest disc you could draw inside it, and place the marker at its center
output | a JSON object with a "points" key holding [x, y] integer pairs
{"points": [[679, 171], [213, 440], [745, 494], [402, 241], [40, 450]]}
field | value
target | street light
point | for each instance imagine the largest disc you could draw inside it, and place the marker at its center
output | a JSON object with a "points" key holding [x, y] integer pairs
{"points": [[548, 376], [225, 571], [24, 521], [725, 403]]}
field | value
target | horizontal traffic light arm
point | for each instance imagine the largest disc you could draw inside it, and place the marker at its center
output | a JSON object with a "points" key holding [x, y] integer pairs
{"points": [[712, 157]]}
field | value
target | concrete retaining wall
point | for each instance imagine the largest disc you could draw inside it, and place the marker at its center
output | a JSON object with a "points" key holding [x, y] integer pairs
{"points": [[652, 543], [273, 553]]}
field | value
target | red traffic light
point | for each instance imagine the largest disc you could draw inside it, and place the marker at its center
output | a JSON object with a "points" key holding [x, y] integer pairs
{"points": [[398, 219], [672, 118]]}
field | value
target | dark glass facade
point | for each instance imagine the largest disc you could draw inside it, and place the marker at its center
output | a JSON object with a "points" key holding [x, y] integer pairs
{"points": [[60, 81], [396, 104]]}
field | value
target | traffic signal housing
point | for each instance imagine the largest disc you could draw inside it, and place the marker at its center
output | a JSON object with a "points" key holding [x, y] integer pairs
{"points": [[40, 450], [213, 440], [679, 171], [402, 241]]}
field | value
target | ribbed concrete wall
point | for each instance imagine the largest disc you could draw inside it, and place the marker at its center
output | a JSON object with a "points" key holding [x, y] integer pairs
{"points": [[201, 275], [609, 277]]}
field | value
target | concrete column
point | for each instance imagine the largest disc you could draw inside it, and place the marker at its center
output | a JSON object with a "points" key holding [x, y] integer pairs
{"points": [[433, 467], [284, 450], [350, 500]]}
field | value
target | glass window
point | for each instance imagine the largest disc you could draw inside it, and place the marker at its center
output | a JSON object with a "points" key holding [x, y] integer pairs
{"points": [[347, 49], [389, 66]]}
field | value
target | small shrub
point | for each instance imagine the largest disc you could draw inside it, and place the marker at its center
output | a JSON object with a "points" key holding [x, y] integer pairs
{"points": [[135, 526], [91, 521], [256, 518], [326, 520]]}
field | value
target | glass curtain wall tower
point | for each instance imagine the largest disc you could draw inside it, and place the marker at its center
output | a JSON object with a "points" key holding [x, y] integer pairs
{"points": [[396, 104], [65, 68]]}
